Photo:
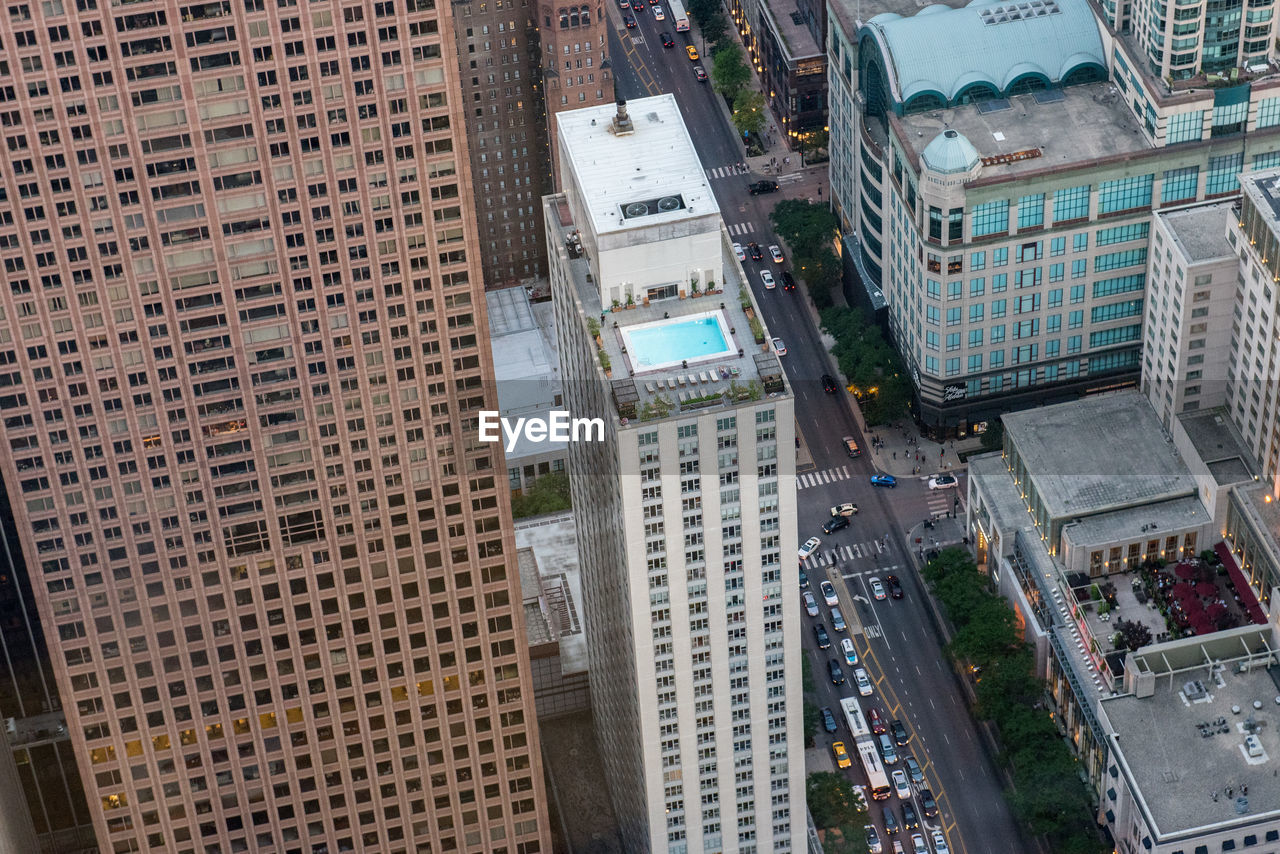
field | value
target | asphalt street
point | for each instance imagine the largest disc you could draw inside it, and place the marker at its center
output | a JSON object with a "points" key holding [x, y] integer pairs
{"points": [[895, 638]]}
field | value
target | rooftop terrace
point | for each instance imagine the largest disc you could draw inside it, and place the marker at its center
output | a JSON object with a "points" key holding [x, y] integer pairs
{"points": [[1075, 125], [694, 374]]}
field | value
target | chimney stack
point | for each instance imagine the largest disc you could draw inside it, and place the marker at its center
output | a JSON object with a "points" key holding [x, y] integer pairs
{"points": [[621, 122]]}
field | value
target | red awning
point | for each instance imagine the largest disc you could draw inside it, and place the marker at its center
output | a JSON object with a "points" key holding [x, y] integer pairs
{"points": [[1247, 597]]}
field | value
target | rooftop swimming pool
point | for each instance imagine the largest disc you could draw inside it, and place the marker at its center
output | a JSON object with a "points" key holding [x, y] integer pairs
{"points": [[663, 344]]}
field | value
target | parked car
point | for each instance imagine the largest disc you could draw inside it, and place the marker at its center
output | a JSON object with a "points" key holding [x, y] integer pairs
{"points": [[775, 252], [834, 671], [837, 620], [863, 681], [850, 653], [829, 721], [804, 579], [884, 480], [810, 546], [700, 74], [900, 735], [810, 604], [766, 186], [895, 586], [940, 843], [873, 841], [846, 509], [820, 632], [918, 845], [851, 446], [779, 347], [739, 252], [928, 804], [828, 592], [835, 523], [943, 481], [691, 52]]}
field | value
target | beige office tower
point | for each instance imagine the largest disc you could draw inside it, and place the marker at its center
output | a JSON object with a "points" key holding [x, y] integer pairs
{"points": [[244, 350]]}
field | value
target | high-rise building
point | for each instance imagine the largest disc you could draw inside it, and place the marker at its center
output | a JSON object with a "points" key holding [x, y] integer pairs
{"points": [[244, 344], [521, 63], [685, 508]]}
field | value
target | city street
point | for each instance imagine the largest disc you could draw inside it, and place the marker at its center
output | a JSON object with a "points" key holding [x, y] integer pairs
{"points": [[895, 638]]}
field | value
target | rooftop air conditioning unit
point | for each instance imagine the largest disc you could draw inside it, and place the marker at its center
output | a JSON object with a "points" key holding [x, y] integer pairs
{"points": [[1253, 746]]}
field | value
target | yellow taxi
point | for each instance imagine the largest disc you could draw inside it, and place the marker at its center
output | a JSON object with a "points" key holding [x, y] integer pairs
{"points": [[842, 755], [692, 51]]}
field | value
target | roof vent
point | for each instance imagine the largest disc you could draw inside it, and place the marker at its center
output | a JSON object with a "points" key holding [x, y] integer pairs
{"points": [[950, 134], [622, 122]]}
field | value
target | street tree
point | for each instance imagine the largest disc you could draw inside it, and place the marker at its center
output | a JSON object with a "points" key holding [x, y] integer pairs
{"points": [[832, 800], [730, 73], [748, 112], [714, 27]]}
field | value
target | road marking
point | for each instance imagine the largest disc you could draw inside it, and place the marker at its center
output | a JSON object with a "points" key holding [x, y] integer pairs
{"points": [[740, 228], [871, 631], [819, 478], [717, 172]]}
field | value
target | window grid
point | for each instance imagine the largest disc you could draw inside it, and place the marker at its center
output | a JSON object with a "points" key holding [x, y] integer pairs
{"points": [[1180, 184], [1125, 194], [1031, 211], [991, 218], [1071, 203]]}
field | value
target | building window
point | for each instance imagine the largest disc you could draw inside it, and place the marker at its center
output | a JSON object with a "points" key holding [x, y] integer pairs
{"points": [[1000, 257], [990, 218], [977, 287], [1058, 246], [1124, 233], [977, 261], [999, 283], [1031, 211], [1071, 204], [1180, 184], [1222, 174], [1125, 194], [1185, 127]]}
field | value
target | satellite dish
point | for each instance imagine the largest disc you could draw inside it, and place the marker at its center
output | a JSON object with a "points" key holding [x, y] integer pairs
{"points": [[637, 209], [669, 203]]}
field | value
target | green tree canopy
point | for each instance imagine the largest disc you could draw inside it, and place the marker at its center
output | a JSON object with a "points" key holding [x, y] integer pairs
{"points": [[748, 112], [805, 226], [993, 438], [832, 800], [714, 29], [730, 72], [549, 494], [991, 632], [869, 362]]}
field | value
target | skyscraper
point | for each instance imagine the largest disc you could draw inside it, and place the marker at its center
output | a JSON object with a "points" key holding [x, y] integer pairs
{"points": [[685, 509], [244, 347]]}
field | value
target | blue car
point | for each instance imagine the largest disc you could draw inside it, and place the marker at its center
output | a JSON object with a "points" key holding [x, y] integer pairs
{"points": [[883, 480]]}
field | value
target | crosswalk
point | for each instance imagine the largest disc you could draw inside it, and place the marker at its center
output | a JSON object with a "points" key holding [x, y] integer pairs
{"points": [[817, 478], [830, 557], [724, 172], [741, 228], [941, 501]]}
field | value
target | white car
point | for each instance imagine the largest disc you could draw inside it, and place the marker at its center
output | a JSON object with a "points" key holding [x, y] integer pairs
{"points": [[943, 481], [767, 278], [900, 784], [850, 654], [940, 843], [863, 681], [779, 347], [829, 593], [810, 604], [918, 845], [739, 252], [658, 14], [776, 253], [810, 546], [877, 588]]}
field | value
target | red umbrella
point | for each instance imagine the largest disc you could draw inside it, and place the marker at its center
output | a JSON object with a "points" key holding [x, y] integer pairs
{"points": [[1214, 611], [1193, 608], [1185, 570], [1183, 590], [1206, 588], [1203, 626]]}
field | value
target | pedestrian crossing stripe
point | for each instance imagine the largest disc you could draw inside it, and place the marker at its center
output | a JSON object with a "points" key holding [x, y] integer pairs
{"points": [[872, 631], [740, 228], [856, 551], [723, 171], [817, 478]]}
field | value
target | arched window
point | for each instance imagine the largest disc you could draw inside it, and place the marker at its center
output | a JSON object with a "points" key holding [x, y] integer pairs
{"points": [[573, 16], [564, 19], [586, 16]]}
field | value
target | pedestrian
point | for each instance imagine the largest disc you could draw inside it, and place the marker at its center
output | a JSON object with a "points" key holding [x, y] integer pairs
{"points": [[895, 455]]}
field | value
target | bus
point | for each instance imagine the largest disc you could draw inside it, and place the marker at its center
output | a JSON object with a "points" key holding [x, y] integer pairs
{"points": [[679, 15], [877, 781], [854, 718]]}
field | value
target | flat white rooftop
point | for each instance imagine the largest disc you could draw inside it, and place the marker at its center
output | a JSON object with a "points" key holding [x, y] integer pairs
{"points": [[650, 176]]}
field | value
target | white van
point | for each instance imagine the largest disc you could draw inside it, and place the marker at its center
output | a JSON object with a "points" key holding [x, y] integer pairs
{"points": [[887, 749]]}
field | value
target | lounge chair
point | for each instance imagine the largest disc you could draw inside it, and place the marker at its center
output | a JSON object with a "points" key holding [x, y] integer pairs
{"points": [[651, 388]]}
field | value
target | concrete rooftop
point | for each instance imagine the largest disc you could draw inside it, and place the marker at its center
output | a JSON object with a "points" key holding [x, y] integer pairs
{"points": [[1176, 769], [553, 543], [1102, 452], [1087, 123], [656, 161], [1219, 444], [1172, 515], [1201, 232]]}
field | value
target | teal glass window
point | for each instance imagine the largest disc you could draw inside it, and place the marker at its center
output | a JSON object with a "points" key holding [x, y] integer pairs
{"points": [[975, 337], [977, 287], [1051, 348], [1123, 233], [1115, 310], [1058, 246], [1185, 127], [1031, 211], [1119, 335], [1057, 272], [1073, 344], [1079, 268], [1267, 159], [953, 340], [1027, 278], [1180, 184], [1055, 298], [1000, 257], [953, 367], [1119, 285], [1071, 203], [932, 315], [1075, 320], [1119, 361], [999, 283], [1268, 112], [954, 316], [997, 333], [931, 365], [1080, 242], [977, 261], [975, 363], [933, 289], [1222, 173], [931, 340], [1077, 293], [955, 290], [991, 218], [1123, 258], [998, 308], [1053, 323], [997, 359], [975, 313], [1125, 194]]}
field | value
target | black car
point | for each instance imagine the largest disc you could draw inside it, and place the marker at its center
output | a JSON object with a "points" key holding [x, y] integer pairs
{"points": [[788, 281], [820, 632], [629, 21], [895, 586], [899, 733], [829, 384], [804, 579], [834, 671], [828, 720], [927, 802], [756, 252], [834, 524], [760, 187], [667, 41], [910, 820], [891, 825]]}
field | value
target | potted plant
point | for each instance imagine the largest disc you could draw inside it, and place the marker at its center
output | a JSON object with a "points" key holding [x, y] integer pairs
{"points": [[593, 326], [631, 301], [616, 306], [605, 363], [645, 302], [693, 286]]}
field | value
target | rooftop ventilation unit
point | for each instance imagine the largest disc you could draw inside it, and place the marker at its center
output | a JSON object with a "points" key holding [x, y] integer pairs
{"points": [[621, 125], [650, 207]]}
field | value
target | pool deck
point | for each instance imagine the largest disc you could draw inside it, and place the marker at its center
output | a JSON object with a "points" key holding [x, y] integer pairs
{"points": [[747, 370]]}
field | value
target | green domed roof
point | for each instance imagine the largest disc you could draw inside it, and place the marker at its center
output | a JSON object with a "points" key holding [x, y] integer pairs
{"points": [[950, 152]]}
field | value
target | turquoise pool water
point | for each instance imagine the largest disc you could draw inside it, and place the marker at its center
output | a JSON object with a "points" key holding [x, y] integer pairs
{"points": [[669, 342]]}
